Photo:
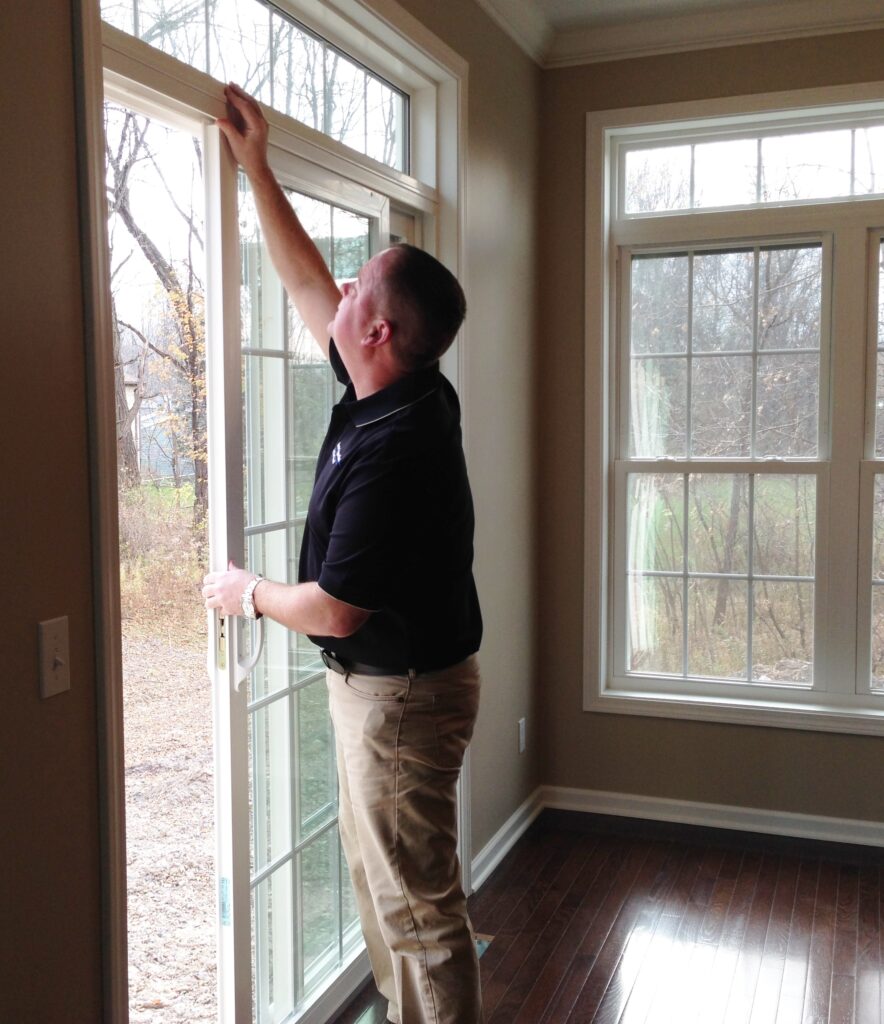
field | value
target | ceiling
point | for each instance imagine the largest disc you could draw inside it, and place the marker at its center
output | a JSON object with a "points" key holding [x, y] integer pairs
{"points": [[558, 33]]}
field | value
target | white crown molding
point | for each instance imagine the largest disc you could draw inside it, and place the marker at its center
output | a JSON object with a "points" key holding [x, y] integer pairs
{"points": [[524, 22], [698, 30]]}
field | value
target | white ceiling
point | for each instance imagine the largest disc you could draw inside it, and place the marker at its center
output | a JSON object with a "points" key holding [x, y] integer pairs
{"points": [[562, 32]]}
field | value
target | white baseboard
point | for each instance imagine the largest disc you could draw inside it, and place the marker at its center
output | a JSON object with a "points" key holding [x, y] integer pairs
{"points": [[741, 819], [685, 812], [505, 838]]}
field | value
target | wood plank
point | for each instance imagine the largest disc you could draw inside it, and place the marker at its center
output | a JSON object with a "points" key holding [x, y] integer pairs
{"points": [[868, 948], [844, 951], [748, 965], [818, 990], [776, 944], [791, 1004]]}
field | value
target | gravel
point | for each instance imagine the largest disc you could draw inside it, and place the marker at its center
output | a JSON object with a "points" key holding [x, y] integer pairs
{"points": [[169, 831]]}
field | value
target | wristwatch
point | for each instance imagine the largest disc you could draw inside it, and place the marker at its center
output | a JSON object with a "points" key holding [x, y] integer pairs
{"points": [[247, 601]]}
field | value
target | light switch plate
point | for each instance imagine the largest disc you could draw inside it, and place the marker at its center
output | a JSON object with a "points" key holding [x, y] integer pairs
{"points": [[55, 668]]}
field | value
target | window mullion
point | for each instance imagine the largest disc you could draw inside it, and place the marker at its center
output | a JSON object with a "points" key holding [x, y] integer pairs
{"points": [[844, 309]]}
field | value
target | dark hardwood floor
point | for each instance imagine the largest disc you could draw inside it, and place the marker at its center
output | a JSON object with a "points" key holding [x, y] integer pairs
{"points": [[622, 922]]}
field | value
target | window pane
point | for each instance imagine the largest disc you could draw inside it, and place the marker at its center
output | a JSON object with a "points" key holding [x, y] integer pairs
{"points": [[787, 396], [280, 62], [868, 160], [879, 397], [269, 555], [384, 124], [316, 754], [179, 32], [655, 624], [878, 638], [782, 632], [721, 402], [265, 440], [659, 312], [658, 179], [345, 96], [878, 528], [814, 165], [656, 516], [723, 301], [274, 946], [784, 525], [725, 173], [657, 407], [718, 523], [239, 46], [272, 800], [319, 901], [297, 73], [789, 292], [717, 628], [350, 243]]}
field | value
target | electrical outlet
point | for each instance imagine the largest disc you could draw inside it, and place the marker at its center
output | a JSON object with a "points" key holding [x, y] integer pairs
{"points": [[521, 735]]}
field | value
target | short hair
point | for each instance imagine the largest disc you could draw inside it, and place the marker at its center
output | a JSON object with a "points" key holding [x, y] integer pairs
{"points": [[427, 303]]}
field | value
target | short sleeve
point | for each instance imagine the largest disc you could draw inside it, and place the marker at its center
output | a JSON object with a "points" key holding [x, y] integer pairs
{"points": [[368, 544]]}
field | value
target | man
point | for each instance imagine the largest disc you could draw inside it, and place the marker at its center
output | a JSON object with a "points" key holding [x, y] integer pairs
{"points": [[386, 590]]}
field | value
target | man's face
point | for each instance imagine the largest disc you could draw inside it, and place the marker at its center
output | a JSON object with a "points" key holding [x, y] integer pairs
{"points": [[360, 306]]}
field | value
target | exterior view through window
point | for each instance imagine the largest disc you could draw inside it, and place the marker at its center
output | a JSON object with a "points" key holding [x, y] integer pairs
{"points": [[724, 364], [156, 232]]}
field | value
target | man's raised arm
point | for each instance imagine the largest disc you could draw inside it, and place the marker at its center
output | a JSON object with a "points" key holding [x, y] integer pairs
{"points": [[297, 260]]}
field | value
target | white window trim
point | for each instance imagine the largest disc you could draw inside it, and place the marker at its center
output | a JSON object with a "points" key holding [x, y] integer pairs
{"points": [[437, 78], [846, 705]]}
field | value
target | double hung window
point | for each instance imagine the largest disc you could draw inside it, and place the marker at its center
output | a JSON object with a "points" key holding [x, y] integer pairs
{"points": [[735, 309]]}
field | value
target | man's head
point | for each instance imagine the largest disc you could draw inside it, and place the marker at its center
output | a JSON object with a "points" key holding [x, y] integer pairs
{"points": [[425, 304], [404, 297]]}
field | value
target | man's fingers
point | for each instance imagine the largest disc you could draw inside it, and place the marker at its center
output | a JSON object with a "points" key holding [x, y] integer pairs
{"points": [[239, 92], [242, 105]]}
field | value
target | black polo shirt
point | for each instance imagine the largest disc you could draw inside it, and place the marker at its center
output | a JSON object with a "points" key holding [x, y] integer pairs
{"points": [[390, 524]]}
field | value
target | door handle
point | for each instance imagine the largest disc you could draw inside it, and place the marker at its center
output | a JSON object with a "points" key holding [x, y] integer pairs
{"points": [[244, 668]]}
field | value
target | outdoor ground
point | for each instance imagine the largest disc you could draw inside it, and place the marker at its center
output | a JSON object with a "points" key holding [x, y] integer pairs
{"points": [[169, 832], [169, 764]]}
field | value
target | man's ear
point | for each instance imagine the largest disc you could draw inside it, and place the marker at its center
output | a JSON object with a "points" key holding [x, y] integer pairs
{"points": [[379, 333]]}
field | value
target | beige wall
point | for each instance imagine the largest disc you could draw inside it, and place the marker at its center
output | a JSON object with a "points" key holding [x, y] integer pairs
{"points": [[49, 861], [804, 772], [502, 171]]}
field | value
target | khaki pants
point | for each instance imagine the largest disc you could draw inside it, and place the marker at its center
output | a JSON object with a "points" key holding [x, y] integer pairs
{"points": [[400, 745]]}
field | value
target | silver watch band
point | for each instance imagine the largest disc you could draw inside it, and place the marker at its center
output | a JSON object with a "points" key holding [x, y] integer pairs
{"points": [[247, 601]]}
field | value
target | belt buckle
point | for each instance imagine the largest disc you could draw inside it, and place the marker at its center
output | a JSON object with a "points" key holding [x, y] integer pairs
{"points": [[330, 661]]}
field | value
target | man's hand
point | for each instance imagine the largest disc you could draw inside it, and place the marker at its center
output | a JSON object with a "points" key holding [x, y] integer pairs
{"points": [[224, 590], [245, 129]]}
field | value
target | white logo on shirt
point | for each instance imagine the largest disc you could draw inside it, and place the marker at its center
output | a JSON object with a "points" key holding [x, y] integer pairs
{"points": [[336, 454]]}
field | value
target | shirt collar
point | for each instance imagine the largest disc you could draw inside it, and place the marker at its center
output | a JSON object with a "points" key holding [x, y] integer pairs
{"points": [[399, 395]]}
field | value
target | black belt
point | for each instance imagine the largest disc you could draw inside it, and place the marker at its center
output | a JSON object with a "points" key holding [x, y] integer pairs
{"points": [[343, 666]]}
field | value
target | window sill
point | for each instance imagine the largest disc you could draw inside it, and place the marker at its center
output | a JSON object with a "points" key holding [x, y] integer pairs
{"points": [[793, 709]]}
